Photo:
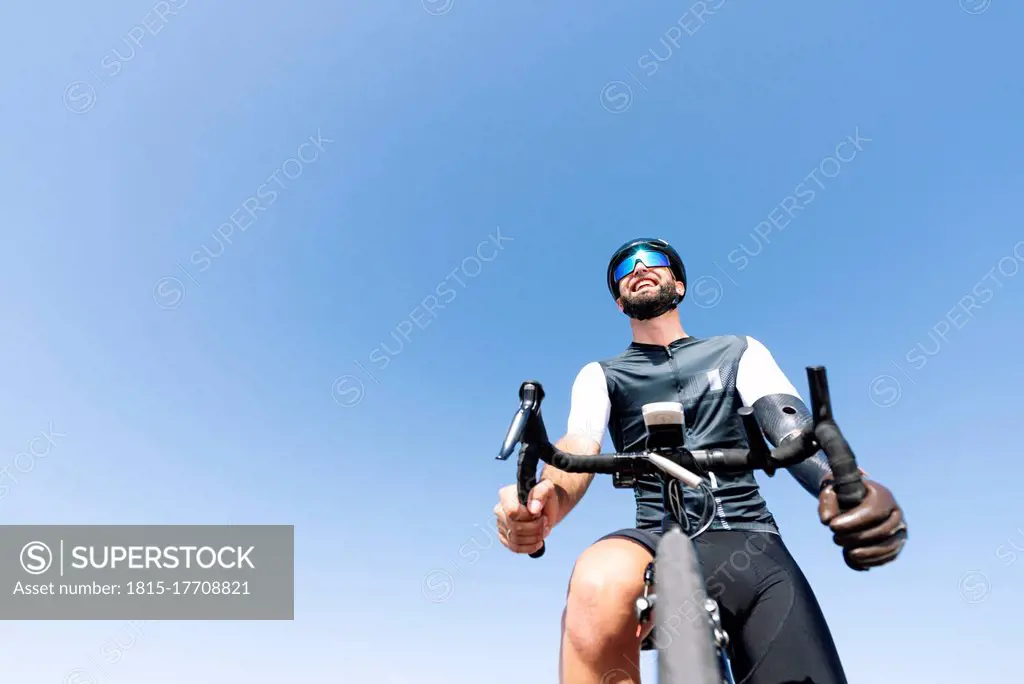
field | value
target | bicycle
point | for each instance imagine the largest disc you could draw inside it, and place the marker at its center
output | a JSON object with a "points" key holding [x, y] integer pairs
{"points": [[700, 653]]}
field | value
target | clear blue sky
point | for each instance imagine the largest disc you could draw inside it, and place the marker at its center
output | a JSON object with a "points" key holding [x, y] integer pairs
{"points": [[200, 389]]}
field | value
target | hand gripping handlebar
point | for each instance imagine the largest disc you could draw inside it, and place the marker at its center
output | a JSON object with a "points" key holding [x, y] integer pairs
{"points": [[528, 431]]}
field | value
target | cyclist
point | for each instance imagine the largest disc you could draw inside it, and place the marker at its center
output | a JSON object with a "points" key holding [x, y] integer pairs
{"points": [[776, 627]]}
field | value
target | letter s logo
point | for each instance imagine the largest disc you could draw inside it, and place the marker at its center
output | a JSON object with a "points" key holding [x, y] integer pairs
{"points": [[36, 558]]}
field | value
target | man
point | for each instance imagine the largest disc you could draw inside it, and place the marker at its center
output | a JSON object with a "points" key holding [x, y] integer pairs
{"points": [[777, 631]]}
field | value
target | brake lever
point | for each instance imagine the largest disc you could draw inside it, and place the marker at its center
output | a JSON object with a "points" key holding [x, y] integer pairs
{"points": [[530, 395]]}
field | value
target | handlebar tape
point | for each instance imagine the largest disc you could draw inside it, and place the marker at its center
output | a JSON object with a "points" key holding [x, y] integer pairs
{"points": [[600, 464], [528, 458], [848, 484], [723, 460]]}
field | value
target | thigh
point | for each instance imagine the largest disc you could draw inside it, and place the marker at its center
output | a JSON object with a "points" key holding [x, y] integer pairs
{"points": [[613, 565], [622, 557], [599, 640], [784, 636]]}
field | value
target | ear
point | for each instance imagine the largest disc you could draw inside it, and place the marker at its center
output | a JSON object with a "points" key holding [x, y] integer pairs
{"points": [[618, 303], [680, 289]]}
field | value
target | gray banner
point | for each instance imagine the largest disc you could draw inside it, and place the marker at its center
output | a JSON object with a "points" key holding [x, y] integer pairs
{"points": [[147, 572]]}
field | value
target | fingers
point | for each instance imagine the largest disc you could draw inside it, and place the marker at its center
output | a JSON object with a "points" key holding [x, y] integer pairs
{"points": [[877, 506], [508, 500], [828, 505], [518, 542], [880, 533], [863, 558], [873, 533], [542, 497], [507, 506], [522, 537], [518, 530]]}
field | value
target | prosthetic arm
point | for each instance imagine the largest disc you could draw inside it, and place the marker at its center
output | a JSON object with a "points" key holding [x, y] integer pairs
{"points": [[782, 417]]}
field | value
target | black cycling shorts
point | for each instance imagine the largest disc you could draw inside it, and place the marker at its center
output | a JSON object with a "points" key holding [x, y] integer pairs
{"points": [[767, 607]]}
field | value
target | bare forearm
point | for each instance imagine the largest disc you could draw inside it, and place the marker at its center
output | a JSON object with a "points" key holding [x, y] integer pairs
{"points": [[570, 487]]}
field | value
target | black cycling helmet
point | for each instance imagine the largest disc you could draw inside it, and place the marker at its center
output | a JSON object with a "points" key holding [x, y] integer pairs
{"points": [[654, 244]]}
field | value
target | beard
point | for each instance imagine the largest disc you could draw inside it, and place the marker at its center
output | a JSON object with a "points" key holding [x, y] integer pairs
{"points": [[650, 304]]}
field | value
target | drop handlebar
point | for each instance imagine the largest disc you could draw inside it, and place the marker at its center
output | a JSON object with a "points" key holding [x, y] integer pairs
{"points": [[528, 431]]}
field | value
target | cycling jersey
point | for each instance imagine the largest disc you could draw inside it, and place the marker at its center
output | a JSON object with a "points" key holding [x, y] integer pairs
{"points": [[712, 378]]}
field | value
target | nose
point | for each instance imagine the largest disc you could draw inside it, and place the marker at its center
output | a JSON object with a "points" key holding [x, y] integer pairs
{"points": [[640, 271]]}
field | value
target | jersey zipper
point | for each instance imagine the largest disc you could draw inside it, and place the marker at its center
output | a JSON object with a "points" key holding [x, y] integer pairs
{"points": [[675, 374]]}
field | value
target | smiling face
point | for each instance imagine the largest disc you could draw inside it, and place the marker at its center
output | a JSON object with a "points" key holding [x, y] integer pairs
{"points": [[647, 289]]}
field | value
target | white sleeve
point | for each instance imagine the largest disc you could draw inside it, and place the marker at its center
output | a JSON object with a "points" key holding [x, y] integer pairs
{"points": [[590, 406], [758, 375]]}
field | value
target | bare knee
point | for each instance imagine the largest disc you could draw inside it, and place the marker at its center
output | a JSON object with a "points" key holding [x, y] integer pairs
{"points": [[606, 581]]}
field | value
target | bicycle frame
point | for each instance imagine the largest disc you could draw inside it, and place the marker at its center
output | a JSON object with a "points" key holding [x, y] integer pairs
{"points": [[697, 649]]}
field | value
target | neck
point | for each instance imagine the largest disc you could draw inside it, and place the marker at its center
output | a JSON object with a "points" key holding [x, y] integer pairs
{"points": [[662, 331]]}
